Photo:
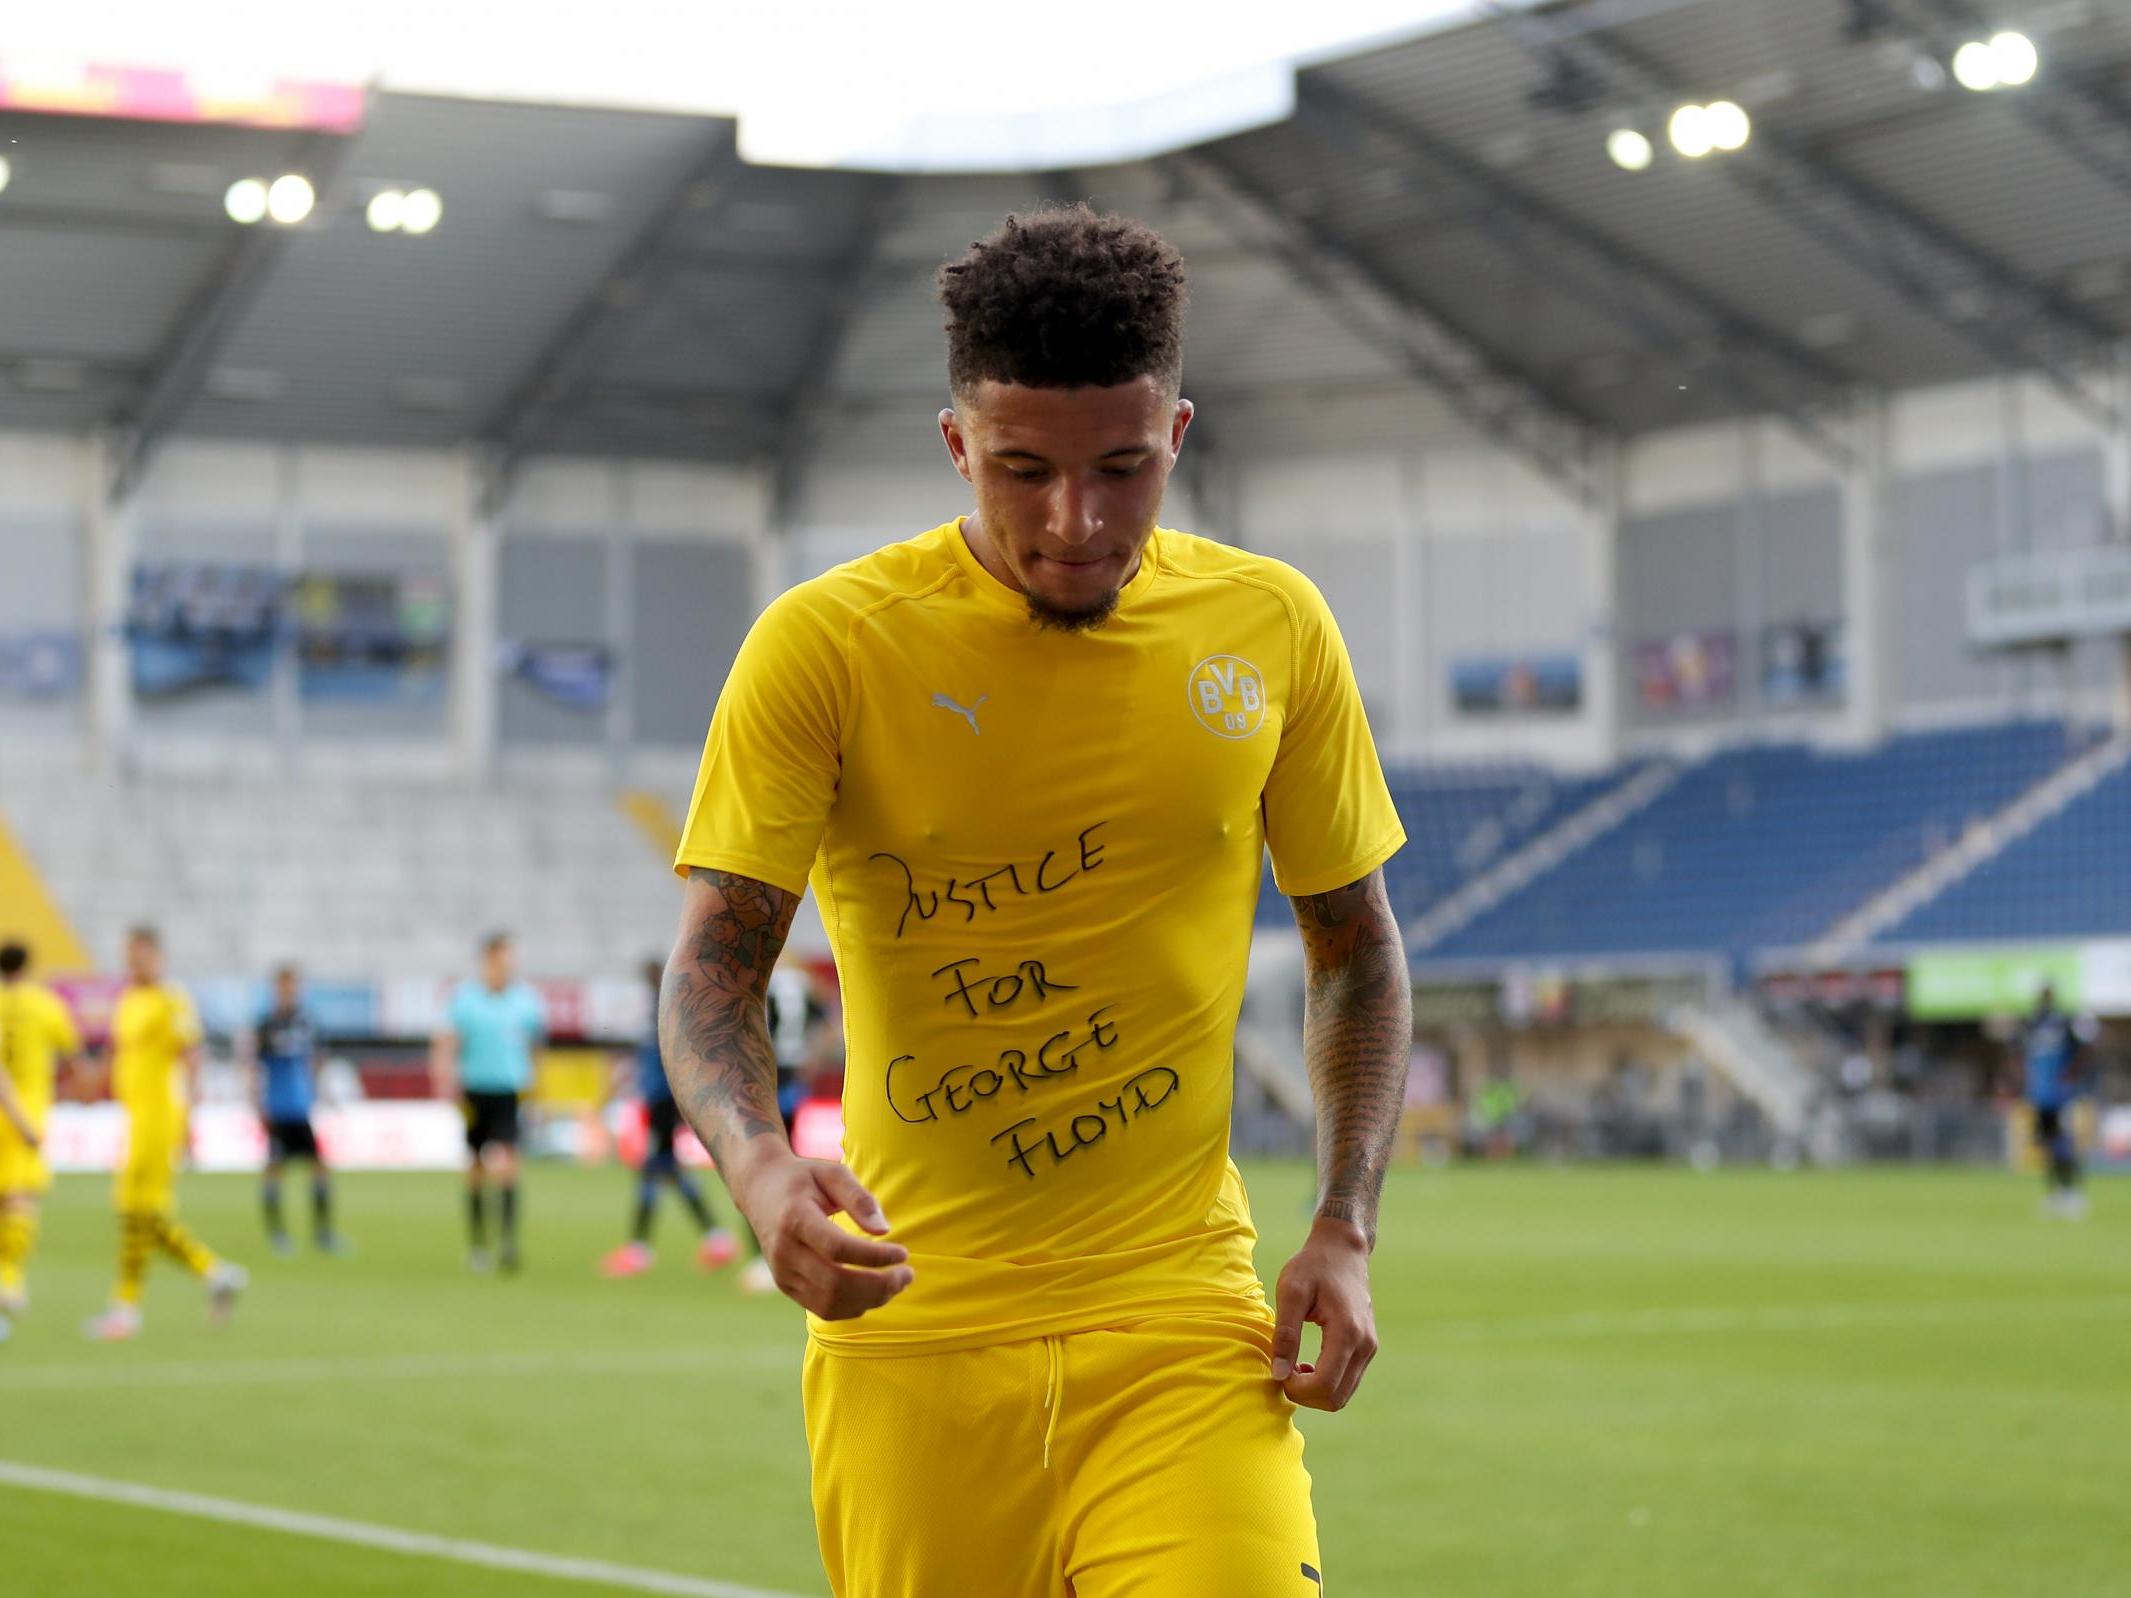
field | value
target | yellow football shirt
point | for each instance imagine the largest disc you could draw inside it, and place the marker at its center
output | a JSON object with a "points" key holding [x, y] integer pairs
{"points": [[151, 1031], [1037, 855], [36, 1031]]}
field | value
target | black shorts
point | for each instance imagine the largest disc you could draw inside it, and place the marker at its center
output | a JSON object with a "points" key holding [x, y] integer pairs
{"points": [[2049, 1123], [491, 1120], [291, 1140], [664, 1117]]}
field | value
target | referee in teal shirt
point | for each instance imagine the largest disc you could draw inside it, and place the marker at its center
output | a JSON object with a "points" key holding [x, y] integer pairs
{"points": [[484, 1057]]}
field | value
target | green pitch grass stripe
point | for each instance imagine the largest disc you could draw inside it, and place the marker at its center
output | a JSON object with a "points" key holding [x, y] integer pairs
{"points": [[228, 1510], [396, 1367]]}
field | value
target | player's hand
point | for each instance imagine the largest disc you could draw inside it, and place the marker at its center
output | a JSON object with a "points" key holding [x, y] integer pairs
{"points": [[816, 1263], [1326, 1283]]}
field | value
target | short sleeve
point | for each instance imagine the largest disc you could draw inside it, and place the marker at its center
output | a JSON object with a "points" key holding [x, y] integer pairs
{"points": [[66, 1037], [184, 1019], [1329, 819], [536, 1015], [773, 757], [460, 1013]]}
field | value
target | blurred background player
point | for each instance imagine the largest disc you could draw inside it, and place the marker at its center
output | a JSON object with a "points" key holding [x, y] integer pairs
{"points": [[796, 1018], [2052, 1051], [285, 1050], [662, 1162], [37, 1038], [484, 1056], [155, 1060]]}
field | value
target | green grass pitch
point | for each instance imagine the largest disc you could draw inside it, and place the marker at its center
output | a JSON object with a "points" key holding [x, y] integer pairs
{"points": [[1594, 1382]]}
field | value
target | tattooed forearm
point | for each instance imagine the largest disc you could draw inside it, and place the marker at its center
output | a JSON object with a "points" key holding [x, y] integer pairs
{"points": [[713, 1017], [1357, 1029]]}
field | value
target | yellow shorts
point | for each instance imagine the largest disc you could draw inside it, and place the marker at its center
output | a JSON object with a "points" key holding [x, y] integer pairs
{"points": [[22, 1168], [147, 1176], [1153, 1460]]}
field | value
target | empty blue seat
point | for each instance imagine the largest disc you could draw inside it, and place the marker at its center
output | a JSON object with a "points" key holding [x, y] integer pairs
{"points": [[1765, 847], [2070, 877]]}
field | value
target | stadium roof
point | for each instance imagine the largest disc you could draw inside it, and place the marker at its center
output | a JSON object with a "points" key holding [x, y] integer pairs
{"points": [[1441, 212]]}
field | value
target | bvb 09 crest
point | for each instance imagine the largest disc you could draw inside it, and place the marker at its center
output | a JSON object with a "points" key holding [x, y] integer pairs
{"points": [[1227, 695]]}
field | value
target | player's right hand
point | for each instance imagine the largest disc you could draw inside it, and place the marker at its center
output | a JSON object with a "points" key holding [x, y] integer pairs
{"points": [[816, 1263]]}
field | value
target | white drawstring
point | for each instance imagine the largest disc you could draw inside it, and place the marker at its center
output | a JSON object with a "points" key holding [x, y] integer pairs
{"points": [[1053, 1391]]}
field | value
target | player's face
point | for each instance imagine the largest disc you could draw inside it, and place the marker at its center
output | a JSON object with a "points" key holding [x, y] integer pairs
{"points": [[144, 960], [285, 989], [496, 966], [1068, 483]]}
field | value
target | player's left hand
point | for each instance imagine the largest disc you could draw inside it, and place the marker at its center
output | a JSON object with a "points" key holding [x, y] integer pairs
{"points": [[1326, 1283]]}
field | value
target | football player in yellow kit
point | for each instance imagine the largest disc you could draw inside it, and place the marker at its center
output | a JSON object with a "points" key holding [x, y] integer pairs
{"points": [[1030, 763], [155, 1051], [37, 1038]]}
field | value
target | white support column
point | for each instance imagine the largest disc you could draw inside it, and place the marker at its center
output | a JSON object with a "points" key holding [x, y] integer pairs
{"points": [[288, 561], [2036, 678], [473, 625], [109, 526], [2116, 490], [621, 552], [771, 541], [1750, 574], [1601, 646], [1216, 490], [1867, 552], [2116, 454], [1189, 502], [1413, 685], [2016, 529]]}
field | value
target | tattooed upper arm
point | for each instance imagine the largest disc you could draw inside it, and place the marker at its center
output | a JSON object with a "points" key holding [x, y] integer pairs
{"points": [[735, 925], [713, 1025], [1338, 924]]}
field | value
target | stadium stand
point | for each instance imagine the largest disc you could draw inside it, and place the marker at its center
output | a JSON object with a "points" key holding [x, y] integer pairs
{"points": [[364, 879], [1764, 847], [1461, 819], [1749, 850], [2071, 876]]}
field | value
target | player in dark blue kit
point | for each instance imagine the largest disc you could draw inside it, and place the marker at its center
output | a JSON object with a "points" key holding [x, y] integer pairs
{"points": [[2052, 1046], [286, 1047], [662, 1162]]}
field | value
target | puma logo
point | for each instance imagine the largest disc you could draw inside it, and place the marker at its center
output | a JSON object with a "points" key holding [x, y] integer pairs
{"points": [[967, 712]]}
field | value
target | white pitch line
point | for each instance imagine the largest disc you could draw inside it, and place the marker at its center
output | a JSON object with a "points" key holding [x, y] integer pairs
{"points": [[363, 1535], [88, 1374]]}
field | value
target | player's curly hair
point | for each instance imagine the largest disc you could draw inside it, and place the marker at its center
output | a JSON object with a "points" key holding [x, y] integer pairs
{"points": [[1064, 298]]}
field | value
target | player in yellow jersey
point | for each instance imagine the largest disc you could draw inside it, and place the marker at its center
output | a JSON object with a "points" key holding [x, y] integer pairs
{"points": [[1030, 763], [155, 1053], [37, 1039]]}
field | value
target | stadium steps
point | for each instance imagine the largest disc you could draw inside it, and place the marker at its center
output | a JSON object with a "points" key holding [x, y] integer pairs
{"points": [[655, 820], [360, 880], [1981, 843], [1280, 1071], [1734, 1038], [1539, 856], [28, 911]]}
